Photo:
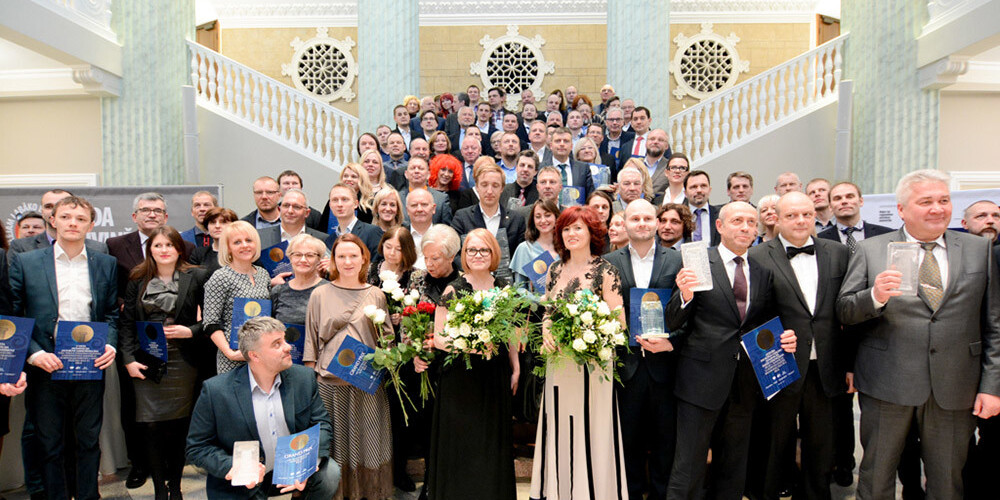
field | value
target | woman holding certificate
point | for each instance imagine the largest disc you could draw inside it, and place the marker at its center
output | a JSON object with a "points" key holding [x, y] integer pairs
{"points": [[239, 247], [472, 451], [164, 289], [290, 299], [537, 239], [362, 440], [578, 445]]}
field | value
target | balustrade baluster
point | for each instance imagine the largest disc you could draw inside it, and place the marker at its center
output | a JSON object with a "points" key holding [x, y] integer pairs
{"points": [[696, 152], [203, 78], [725, 120], [837, 63], [291, 118], [821, 74], [247, 97], [257, 119], [744, 127], [688, 135], [300, 117], [715, 125], [273, 91], [677, 135], [771, 104], [328, 137], [230, 91], [782, 94], [800, 85], [213, 85]]}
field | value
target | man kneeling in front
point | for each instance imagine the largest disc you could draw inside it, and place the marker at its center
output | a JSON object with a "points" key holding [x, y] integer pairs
{"points": [[241, 405]]}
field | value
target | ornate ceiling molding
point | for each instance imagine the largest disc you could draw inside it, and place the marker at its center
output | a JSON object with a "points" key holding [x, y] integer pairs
{"points": [[344, 13]]}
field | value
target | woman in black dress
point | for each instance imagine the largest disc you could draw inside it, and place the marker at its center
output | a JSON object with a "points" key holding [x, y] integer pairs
{"points": [[472, 451], [164, 288]]}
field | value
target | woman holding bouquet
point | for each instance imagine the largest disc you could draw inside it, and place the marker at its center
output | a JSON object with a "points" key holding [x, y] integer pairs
{"points": [[472, 453], [362, 440], [578, 446]]}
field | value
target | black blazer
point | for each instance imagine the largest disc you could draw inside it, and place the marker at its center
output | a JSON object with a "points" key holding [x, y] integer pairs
{"points": [[370, 234], [821, 327], [581, 172], [190, 295], [29, 243], [666, 263], [129, 253], [513, 190], [870, 230], [467, 198], [470, 218], [710, 327]]}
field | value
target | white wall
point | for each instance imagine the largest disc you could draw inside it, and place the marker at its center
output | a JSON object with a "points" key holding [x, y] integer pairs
{"points": [[968, 131], [50, 136], [233, 155], [805, 146]]}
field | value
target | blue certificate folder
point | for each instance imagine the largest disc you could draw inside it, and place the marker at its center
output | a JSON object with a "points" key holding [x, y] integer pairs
{"points": [[636, 297], [15, 335], [296, 457], [151, 338], [538, 269], [572, 196], [275, 259], [244, 309], [349, 365], [78, 344], [295, 335], [775, 368]]}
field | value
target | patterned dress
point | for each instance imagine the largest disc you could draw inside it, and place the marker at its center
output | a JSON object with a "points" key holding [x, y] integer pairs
{"points": [[578, 448], [225, 285]]}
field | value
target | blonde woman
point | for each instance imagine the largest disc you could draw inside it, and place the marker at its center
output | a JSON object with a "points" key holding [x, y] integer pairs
{"points": [[355, 176], [767, 218], [371, 161], [388, 209]]}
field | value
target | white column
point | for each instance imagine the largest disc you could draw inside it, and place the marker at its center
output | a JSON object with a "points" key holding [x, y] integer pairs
{"points": [[388, 58], [895, 123], [143, 131], [639, 55]]}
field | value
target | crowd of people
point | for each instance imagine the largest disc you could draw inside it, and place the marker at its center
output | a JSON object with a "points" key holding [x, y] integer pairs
{"points": [[463, 195]]}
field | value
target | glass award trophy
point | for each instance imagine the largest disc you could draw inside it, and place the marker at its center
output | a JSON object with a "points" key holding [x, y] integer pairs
{"points": [[246, 456], [905, 258], [695, 256]]}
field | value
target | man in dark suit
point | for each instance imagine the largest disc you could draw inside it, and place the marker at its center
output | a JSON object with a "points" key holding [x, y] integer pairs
{"points": [[343, 203], [66, 281], [647, 408], [574, 173], [656, 160], [201, 203], [635, 147], [846, 201], [266, 194], [149, 212], [226, 413], [523, 191], [614, 136], [417, 173], [289, 179], [294, 207], [716, 387], [807, 274], [466, 117], [402, 119], [451, 124], [934, 355], [48, 238], [697, 189], [508, 227], [471, 151]]}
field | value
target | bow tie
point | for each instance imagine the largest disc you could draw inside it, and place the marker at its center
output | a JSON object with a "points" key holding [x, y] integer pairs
{"points": [[793, 251]]}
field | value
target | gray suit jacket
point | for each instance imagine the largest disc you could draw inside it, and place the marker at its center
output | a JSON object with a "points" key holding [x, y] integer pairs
{"points": [[909, 351], [660, 180]]}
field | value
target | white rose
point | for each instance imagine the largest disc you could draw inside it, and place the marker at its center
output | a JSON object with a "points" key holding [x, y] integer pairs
{"points": [[605, 353], [379, 317], [478, 297], [579, 345], [484, 336], [397, 295], [387, 276], [460, 344], [573, 309], [587, 318], [609, 328], [410, 300], [459, 307], [620, 339], [589, 337], [464, 330], [370, 310], [451, 331], [488, 315], [603, 309], [478, 318], [390, 286]]}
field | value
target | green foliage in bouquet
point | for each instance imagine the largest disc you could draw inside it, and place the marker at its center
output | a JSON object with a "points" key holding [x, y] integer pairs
{"points": [[585, 330], [479, 322]]}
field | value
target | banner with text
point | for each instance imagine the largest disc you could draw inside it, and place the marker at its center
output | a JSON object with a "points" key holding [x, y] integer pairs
{"points": [[881, 208]]}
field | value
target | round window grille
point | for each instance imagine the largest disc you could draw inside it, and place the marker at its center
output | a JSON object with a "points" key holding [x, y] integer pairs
{"points": [[706, 63], [513, 63], [323, 66]]}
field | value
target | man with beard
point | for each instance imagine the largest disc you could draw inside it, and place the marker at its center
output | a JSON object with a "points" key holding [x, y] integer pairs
{"points": [[982, 218], [657, 159], [697, 188], [674, 225], [510, 146]]}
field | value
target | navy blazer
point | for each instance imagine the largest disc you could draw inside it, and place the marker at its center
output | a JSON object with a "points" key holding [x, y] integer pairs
{"points": [[711, 330], [29, 243], [666, 263], [37, 296], [870, 230], [370, 235], [581, 174], [223, 414]]}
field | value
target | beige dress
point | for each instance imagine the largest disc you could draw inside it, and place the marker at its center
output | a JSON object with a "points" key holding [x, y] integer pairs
{"points": [[362, 432]]}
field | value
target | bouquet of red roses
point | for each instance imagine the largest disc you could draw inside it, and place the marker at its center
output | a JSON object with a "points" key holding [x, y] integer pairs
{"points": [[418, 325]]}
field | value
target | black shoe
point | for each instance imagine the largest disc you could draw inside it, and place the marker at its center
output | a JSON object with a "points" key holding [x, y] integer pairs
{"points": [[843, 477], [136, 478], [404, 483], [39, 495], [913, 493]]}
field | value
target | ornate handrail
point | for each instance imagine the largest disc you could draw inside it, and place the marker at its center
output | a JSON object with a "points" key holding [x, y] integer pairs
{"points": [[719, 124], [287, 115]]}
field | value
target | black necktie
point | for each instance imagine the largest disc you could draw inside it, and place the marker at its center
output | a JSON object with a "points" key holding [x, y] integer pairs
{"points": [[793, 251]]}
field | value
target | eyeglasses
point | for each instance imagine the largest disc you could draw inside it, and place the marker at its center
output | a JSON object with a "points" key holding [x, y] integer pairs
{"points": [[154, 211], [484, 252], [301, 255], [614, 119], [677, 168], [294, 208], [262, 193]]}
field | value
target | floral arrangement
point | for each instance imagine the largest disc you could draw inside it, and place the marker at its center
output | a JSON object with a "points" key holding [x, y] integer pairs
{"points": [[585, 330], [395, 296], [480, 321]]}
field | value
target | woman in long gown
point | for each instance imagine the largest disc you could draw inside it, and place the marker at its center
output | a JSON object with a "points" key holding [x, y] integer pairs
{"points": [[578, 448], [472, 451]]}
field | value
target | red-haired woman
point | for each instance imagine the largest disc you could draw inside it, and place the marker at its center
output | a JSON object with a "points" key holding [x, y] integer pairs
{"points": [[446, 176], [579, 423]]}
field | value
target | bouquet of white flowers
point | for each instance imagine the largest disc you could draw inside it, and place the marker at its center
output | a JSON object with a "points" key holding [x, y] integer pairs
{"points": [[480, 321], [395, 296], [585, 330]]}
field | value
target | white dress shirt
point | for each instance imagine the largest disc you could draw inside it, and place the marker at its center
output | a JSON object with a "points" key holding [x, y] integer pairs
{"points": [[417, 238], [492, 221], [859, 233], [73, 285], [639, 147], [569, 170], [142, 242], [642, 266], [285, 235], [806, 271], [270, 416]]}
